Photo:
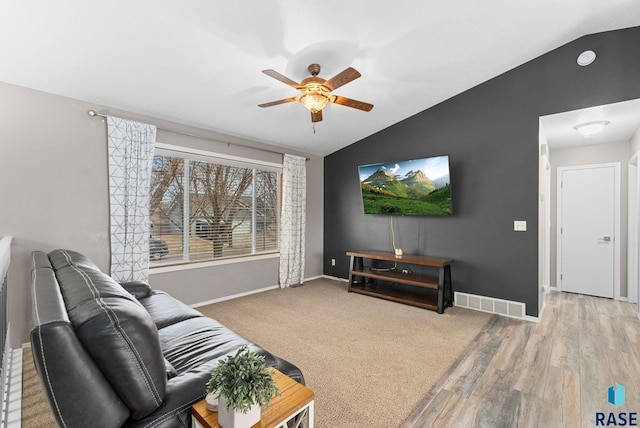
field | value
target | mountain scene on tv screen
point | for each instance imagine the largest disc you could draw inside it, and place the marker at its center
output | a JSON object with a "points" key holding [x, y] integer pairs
{"points": [[416, 187]]}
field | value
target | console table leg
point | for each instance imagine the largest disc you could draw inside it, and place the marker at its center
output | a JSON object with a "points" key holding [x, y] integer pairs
{"points": [[352, 266], [441, 287], [449, 283]]}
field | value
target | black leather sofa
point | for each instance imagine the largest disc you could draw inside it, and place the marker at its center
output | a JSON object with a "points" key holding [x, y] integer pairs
{"points": [[112, 355]]}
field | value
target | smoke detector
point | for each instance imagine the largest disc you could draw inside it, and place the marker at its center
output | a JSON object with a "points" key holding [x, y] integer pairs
{"points": [[586, 58]]}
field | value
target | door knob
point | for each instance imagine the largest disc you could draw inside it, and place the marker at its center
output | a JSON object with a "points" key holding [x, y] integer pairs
{"points": [[605, 239]]}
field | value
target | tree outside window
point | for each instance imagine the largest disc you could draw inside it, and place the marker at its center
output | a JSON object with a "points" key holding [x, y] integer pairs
{"points": [[205, 210]]}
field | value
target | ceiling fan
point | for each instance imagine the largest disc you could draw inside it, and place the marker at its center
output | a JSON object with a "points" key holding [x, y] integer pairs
{"points": [[316, 91]]}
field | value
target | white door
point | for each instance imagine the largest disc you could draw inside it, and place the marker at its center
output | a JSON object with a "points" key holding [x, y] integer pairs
{"points": [[587, 229]]}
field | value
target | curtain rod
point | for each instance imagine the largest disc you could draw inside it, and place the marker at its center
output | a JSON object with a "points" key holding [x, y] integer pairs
{"points": [[94, 113]]}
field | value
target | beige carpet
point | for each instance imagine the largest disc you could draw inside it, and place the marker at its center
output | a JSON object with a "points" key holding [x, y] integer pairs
{"points": [[35, 409], [369, 361]]}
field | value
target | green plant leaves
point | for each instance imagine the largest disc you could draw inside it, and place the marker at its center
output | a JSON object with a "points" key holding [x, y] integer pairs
{"points": [[243, 379]]}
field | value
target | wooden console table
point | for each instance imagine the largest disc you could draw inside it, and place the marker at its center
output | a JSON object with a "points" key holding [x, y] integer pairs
{"points": [[364, 279]]}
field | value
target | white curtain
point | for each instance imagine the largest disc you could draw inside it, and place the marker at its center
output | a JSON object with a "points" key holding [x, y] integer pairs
{"points": [[131, 149], [293, 220]]}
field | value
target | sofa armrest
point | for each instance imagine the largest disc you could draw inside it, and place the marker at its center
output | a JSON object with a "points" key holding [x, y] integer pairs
{"points": [[72, 381], [138, 289]]}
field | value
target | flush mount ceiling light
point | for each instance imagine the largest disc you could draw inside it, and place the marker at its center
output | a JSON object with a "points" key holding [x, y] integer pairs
{"points": [[590, 129], [586, 58]]}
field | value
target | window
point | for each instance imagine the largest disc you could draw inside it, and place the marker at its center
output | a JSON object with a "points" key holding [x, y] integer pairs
{"points": [[229, 209]]}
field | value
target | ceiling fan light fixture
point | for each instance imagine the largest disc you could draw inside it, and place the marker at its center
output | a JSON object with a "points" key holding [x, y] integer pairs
{"points": [[316, 92], [589, 129], [314, 101]]}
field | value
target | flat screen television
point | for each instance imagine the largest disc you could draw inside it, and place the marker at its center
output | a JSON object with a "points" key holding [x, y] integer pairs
{"points": [[413, 187]]}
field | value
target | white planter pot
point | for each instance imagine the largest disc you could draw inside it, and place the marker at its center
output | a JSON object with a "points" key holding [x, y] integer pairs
{"points": [[211, 402], [235, 419]]}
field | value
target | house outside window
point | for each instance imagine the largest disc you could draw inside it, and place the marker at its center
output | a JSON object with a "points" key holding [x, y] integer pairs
{"points": [[205, 207]]}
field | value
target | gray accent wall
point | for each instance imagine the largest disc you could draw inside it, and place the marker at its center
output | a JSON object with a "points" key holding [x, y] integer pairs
{"points": [[491, 134], [54, 194]]}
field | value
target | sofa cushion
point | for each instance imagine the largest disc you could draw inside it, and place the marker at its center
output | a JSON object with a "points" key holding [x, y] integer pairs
{"points": [[117, 331], [165, 310], [191, 343]]}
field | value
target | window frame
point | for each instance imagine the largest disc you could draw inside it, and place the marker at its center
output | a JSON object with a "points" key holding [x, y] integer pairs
{"points": [[191, 154]]}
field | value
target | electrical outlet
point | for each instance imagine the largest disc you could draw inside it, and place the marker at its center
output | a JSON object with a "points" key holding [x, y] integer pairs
{"points": [[333, 262]]}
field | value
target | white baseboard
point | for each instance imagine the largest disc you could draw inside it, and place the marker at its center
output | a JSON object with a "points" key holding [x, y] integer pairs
{"points": [[533, 319], [233, 296], [246, 293], [335, 278], [498, 306]]}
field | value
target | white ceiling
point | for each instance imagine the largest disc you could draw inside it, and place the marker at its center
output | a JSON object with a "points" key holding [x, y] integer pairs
{"points": [[199, 62]]}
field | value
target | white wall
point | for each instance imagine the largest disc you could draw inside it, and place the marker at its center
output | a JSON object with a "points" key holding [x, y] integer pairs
{"points": [[634, 144], [54, 194], [587, 155]]}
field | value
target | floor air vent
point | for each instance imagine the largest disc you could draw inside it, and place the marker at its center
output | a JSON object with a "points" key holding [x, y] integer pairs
{"points": [[490, 304]]}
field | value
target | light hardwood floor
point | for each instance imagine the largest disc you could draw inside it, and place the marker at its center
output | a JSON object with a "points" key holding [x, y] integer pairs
{"points": [[555, 373]]}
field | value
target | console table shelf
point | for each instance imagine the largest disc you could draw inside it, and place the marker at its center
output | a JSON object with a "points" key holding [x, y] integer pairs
{"points": [[364, 280]]}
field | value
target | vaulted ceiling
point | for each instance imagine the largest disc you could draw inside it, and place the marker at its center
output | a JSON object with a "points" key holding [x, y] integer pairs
{"points": [[199, 62]]}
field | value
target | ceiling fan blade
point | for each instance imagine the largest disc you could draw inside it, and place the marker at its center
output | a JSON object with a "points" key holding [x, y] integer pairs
{"points": [[283, 79], [342, 78], [316, 117], [337, 99], [275, 103]]}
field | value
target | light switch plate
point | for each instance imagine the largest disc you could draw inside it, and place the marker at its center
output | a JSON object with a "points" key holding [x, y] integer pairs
{"points": [[520, 225]]}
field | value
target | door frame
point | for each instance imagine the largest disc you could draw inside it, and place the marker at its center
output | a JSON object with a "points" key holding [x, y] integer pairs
{"points": [[616, 218], [633, 248], [547, 226]]}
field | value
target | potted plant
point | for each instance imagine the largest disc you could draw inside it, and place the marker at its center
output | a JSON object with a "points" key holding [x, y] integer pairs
{"points": [[242, 383]]}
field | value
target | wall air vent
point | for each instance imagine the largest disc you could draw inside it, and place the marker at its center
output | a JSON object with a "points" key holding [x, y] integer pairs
{"points": [[506, 308]]}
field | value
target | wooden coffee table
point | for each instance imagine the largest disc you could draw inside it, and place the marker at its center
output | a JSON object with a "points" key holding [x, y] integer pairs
{"points": [[296, 400]]}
